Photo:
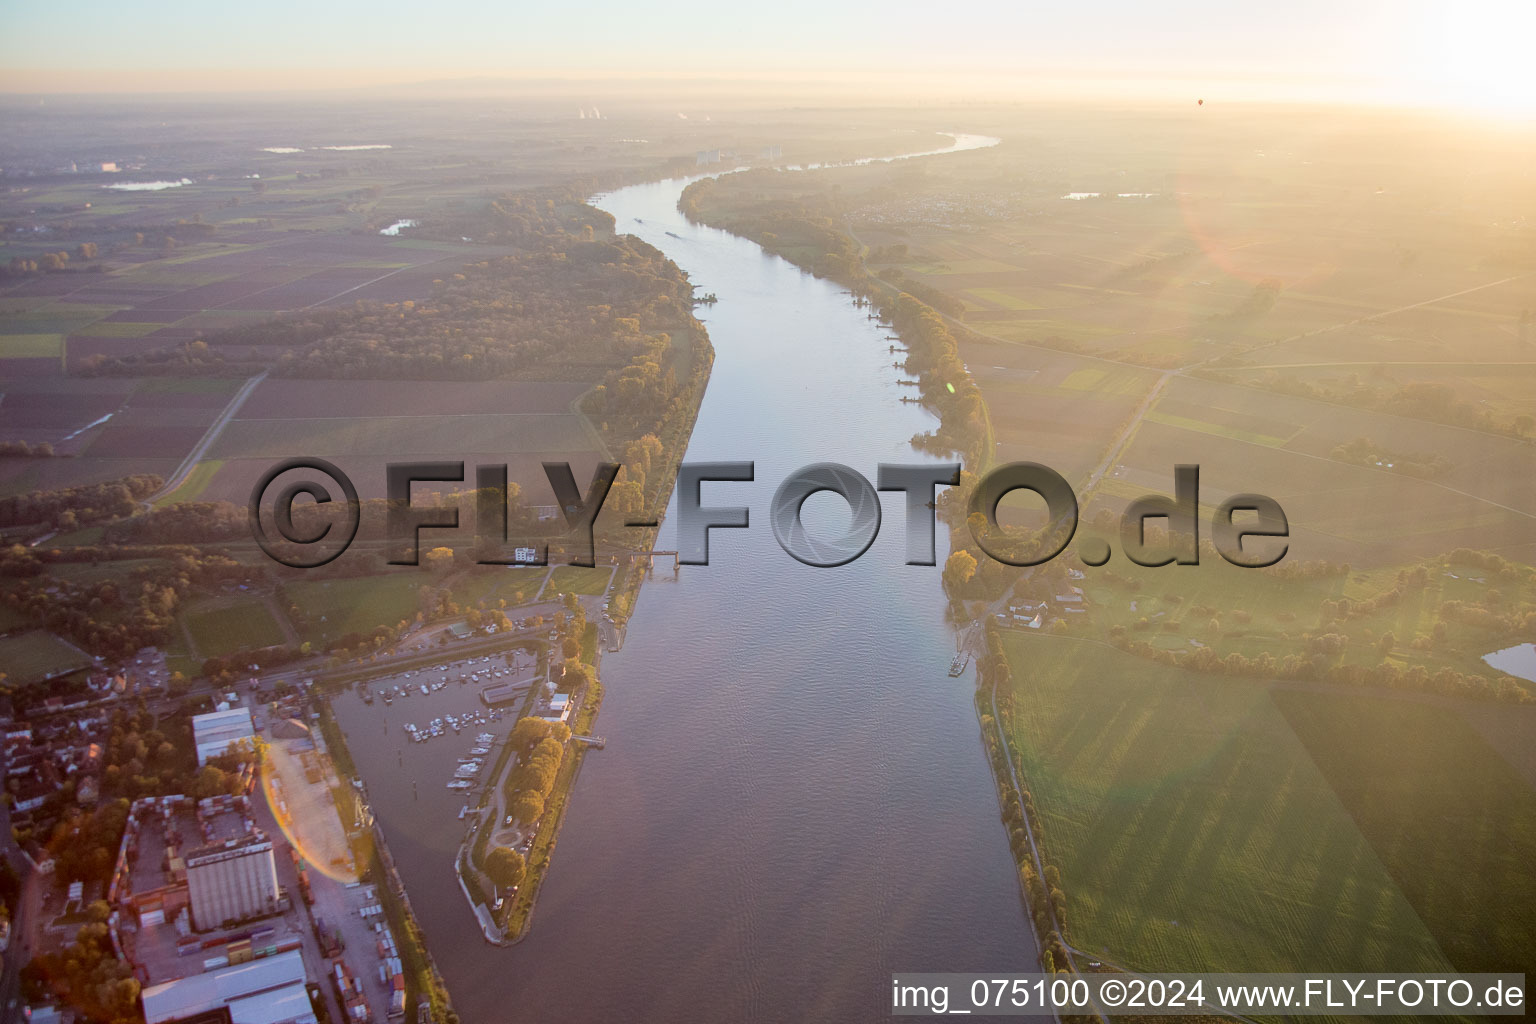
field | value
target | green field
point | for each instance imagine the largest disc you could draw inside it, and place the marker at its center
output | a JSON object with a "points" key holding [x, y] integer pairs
{"points": [[30, 346], [196, 482], [51, 316], [567, 579], [36, 656], [1450, 819], [1219, 429], [1106, 379], [79, 538], [1192, 829], [485, 586], [335, 608], [225, 628]]}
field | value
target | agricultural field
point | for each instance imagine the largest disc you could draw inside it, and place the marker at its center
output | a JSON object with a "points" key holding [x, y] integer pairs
{"points": [[104, 428], [362, 426], [324, 216], [1300, 244], [36, 656], [220, 627], [1245, 441], [1290, 313], [1055, 408], [149, 300], [1202, 822], [1452, 821], [247, 234]]}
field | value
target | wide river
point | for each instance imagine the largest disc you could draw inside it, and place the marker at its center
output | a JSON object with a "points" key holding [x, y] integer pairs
{"points": [[794, 801]]}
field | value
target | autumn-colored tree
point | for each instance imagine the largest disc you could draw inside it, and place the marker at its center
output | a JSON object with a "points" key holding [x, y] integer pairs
{"points": [[959, 568], [526, 807], [505, 866]]}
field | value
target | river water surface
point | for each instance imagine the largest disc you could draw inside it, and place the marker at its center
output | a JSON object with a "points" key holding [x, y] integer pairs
{"points": [[794, 801]]}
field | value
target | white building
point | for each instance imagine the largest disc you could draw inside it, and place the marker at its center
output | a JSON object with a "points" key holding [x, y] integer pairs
{"points": [[559, 708], [265, 991], [232, 881], [214, 732]]}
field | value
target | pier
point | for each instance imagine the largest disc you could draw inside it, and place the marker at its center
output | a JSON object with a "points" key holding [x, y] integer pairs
{"points": [[651, 556]]}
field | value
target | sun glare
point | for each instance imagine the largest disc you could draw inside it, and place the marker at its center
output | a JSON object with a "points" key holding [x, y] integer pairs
{"points": [[1482, 55]]}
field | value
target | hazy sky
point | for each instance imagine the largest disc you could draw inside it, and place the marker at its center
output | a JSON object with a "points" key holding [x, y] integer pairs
{"points": [[294, 43]]}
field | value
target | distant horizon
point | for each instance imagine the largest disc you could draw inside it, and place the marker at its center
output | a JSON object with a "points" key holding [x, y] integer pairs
{"points": [[1424, 53], [725, 92]]}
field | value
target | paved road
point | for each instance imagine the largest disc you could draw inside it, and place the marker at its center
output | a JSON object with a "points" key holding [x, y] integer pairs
{"points": [[211, 435], [1115, 450]]}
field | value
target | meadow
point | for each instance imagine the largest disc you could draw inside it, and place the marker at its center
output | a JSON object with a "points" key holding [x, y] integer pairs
{"points": [[485, 587], [575, 579], [330, 609], [34, 656], [222, 627], [1193, 829]]}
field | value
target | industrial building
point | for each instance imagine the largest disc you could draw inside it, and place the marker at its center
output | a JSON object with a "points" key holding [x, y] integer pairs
{"points": [[266, 991], [216, 731], [232, 881]]}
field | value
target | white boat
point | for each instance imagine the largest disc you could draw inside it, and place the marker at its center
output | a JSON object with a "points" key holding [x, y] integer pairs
{"points": [[460, 784]]}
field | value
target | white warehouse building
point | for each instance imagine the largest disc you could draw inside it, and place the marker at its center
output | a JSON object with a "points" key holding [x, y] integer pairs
{"points": [[232, 881], [214, 732], [266, 991]]}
